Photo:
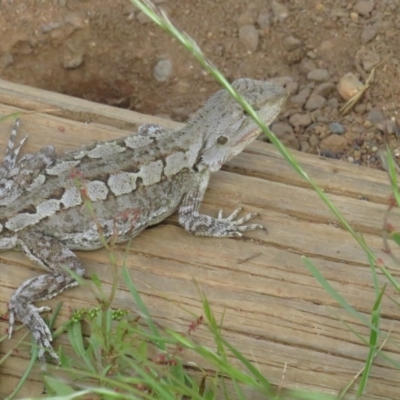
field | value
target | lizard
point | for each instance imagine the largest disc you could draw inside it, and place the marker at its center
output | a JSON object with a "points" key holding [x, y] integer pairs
{"points": [[132, 183]]}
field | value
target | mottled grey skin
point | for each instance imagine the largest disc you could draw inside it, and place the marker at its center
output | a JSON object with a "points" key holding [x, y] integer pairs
{"points": [[132, 183]]}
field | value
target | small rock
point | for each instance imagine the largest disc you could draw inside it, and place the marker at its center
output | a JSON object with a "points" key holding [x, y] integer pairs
{"points": [[281, 12], [334, 143], [77, 20], [315, 102], [312, 55], [368, 33], [314, 141], [375, 116], [301, 97], [316, 114], [245, 19], [50, 26], [284, 132], [292, 88], [354, 16], [348, 86], [307, 65], [6, 60], [22, 47], [357, 154], [367, 124], [295, 56], [318, 75], [162, 70], [322, 118], [305, 147], [324, 89], [363, 7], [73, 62], [369, 59], [336, 127], [291, 43], [332, 103], [327, 46], [360, 108], [264, 20], [300, 120], [248, 35]]}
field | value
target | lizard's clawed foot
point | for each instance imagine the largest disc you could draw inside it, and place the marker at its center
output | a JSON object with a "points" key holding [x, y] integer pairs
{"points": [[29, 315], [235, 227]]}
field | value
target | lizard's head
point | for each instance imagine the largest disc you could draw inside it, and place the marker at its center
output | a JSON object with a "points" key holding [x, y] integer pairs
{"points": [[229, 128]]}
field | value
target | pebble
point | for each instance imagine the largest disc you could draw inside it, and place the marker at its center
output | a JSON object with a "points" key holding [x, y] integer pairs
{"points": [[318, 75], [314, 141], [50, 26], [324, 89], [305, 147], [336, 127], [300, 120], [314, 102], [281, 12], [332, 103], [307, 65], [354, 16], [162, 70], [369, 59], [360, 108], [75, 19], [363, 7], [375, 116], [264, 20], [295, 56], [245, 19], [301, 98], [291, 43], [6, 60], [369, 32], [73, 62], [284, 132], [334, 143], [348, 86], [292, 88], [248, 35]]}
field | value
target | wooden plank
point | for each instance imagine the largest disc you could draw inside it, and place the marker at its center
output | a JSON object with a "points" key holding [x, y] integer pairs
{"points": [[274, 310]]}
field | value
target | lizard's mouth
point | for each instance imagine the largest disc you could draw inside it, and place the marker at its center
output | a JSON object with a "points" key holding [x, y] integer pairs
{"points": [[252, 132]]}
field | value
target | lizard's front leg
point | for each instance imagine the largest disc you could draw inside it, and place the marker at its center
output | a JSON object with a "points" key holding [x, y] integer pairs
{"points": [[204, 225], [50, 254]]}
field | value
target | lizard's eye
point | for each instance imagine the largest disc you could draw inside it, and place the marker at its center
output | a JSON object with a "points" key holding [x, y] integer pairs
{"points": [[222, 140]]}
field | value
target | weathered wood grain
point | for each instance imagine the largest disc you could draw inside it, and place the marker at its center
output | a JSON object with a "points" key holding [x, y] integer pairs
{"points": [[275, 312]]}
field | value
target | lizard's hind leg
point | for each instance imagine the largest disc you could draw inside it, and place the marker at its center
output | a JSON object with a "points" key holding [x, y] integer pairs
{"points": [[52, 255]]}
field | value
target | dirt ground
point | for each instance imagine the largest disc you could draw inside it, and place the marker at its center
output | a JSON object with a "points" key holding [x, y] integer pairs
{"points": [[109, 52]]}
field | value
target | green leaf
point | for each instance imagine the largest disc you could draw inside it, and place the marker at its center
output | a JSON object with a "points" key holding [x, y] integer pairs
{"points": [[395, 236], [57, 387]]}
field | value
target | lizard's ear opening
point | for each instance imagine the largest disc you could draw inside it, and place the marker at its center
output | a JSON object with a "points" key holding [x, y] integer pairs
{"points": [[222, 140]]}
